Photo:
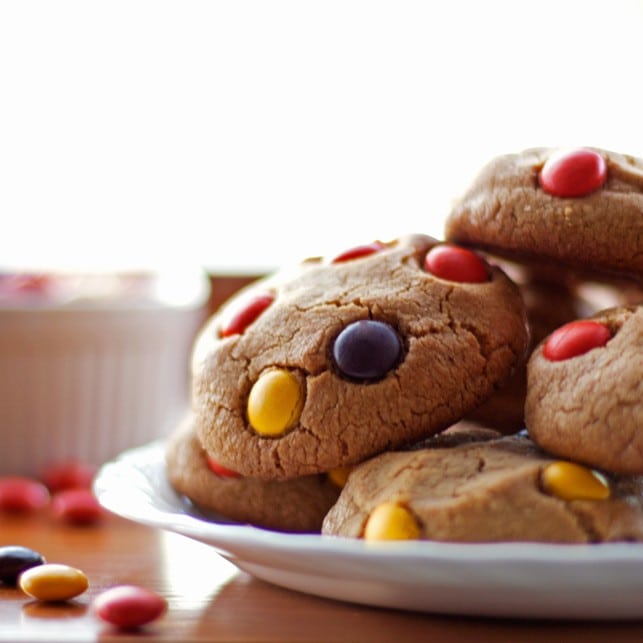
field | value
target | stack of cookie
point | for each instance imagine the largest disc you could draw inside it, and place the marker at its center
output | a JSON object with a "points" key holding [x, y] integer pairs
{"points": [[348, 395]]}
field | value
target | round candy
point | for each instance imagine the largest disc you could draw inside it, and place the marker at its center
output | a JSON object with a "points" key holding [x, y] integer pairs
{"points": [[14, 560], [129, 606], [456, 264], [53, 582], [573, 173], [358, 252], [574, 339], [220, 470], [390, 521], [572, 481], [339, 476], [77, 506], [22, 495], [275, 402], [67, 475], [367, 349], [248, 313]]}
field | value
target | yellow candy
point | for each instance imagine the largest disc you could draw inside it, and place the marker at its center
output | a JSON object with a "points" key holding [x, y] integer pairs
{"points": [[275, 402], [571, 481], [53, 582], [339, 476], [390, 521]]}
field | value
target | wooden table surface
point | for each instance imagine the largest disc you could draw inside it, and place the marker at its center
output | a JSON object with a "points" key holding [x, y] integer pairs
{"points": [[210, 600]]}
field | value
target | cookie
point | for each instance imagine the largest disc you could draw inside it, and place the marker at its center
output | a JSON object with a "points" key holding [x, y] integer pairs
{"points": [[337, 360], [582, 209], [494, 489], [585, 391], [297, 505]]}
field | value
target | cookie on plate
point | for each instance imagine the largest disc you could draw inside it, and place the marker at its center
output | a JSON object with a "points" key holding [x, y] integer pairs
{"points": [[585, 391], [325, 365], [491, 489], [297, 505], [581, 208]]}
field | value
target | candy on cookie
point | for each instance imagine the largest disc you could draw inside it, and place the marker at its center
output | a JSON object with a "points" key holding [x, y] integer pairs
{"points": [[323, 366]]}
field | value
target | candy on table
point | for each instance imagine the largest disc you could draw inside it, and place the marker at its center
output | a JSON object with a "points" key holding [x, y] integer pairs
{"points": [[77, 506], [129, 606], [572, 481], [575, 338], [67, 475], [456, 264], [20, 494], [15, 559], [367, 349], [573, 173], [275, 402], [53, 582], [391, 521]]}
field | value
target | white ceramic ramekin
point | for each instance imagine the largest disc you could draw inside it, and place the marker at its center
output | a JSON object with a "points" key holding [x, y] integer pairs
{"points": [[88, 377]]}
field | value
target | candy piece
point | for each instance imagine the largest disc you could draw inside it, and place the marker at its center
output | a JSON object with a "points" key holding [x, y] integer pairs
{"points": [[77, 507], [390, 521], [275, 402], [571, 481], [359, 251], [574, 339], [14, 560], [243, 317], [219, 469], [19, 494], [53, 582], [573, 173], [367, 349], [68, 475], [129, 606], [456, 264], [339, 476]]}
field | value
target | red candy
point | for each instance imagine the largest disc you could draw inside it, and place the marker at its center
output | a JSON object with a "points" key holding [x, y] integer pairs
{"points": [[22, 495], [573, 173], [246, 315], [358, 251], [574, 339], [77, 506], [456, 264], [68, 475], [220, 470], [129, 606]]}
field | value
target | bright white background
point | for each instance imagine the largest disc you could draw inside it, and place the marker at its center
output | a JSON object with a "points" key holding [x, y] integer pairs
{"points": [[239, 135]]}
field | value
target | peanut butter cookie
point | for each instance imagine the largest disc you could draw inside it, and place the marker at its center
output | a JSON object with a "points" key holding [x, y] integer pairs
{"points": [[297, 505], [582, 209], [491, 489], [337, 360], [585, 391]]}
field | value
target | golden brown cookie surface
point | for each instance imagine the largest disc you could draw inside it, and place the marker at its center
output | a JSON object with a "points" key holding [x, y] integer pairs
{"points": [[313, 381], [508, 211], [585, 391], [297, 505], [491, 490]]}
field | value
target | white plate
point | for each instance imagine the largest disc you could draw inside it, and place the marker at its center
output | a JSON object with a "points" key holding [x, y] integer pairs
{"points": [[522, 580]]}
